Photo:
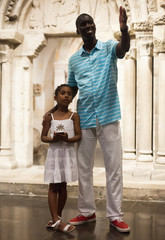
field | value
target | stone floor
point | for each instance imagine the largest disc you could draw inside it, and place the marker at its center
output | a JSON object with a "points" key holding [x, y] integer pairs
{"points": [[29, 181], [24, 218], [24, 209]]}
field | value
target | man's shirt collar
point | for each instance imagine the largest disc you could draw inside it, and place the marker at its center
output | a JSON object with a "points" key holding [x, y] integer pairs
{"points": [[98, 46]]}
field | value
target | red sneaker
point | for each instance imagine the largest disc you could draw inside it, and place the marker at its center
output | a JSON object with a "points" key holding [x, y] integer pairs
{"points": [[120, 225], [82, 219]]}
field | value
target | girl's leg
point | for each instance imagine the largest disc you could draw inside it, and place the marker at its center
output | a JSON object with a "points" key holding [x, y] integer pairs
{"points": [[62, 197], [53, 201], [55, 190]]}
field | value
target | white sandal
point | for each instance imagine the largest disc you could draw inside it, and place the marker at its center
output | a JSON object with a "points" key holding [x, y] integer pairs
{"points": [[55, 225], [50, 223], [66, 228]]}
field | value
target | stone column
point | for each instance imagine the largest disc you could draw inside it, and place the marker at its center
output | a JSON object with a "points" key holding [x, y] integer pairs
{"points": [[159, 80], [6, 153], [144, 94], [8, 41], [128, 120], [22, 98], [22, 107]]}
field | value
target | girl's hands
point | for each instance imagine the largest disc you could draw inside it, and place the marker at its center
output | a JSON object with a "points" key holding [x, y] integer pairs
{"points": [[60, 136]]}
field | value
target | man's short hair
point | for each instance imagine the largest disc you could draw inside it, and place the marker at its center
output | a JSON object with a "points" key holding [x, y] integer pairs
{"points": [[81, 16]]}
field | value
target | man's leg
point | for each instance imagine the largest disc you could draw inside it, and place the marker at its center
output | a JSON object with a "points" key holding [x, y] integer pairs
{"points": [[110, 140], [86, 152], [86, 202]]}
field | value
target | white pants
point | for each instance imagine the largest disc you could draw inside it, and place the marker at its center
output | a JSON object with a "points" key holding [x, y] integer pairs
{"points": [[109, 137]]}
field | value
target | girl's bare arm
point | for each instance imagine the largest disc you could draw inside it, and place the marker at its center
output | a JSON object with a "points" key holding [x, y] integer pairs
{"points": [[45, 129]]}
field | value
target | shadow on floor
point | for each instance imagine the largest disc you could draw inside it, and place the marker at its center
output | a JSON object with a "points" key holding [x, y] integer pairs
{"points": [[24, 218]]}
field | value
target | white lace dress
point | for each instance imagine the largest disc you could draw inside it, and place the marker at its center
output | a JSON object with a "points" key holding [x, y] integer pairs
{"points": [[61, 161]]}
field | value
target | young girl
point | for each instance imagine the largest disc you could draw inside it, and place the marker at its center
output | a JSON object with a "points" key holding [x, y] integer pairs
{"points": [[61, 162]]}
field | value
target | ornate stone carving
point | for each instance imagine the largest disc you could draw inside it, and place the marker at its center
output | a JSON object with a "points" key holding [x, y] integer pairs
{"points": [[146, 48], [9, 9], [29, 49], [36, 16], [36, 89], [160, 16], [51, 13], [11, 36], [14, 10], [152, 7], [131, 54], [160, 20], [159, 38], [6, 53], [117, 34], [159, 46], [142, 26], [162, 3], [39, 48], [128, 10], [60, 11]]}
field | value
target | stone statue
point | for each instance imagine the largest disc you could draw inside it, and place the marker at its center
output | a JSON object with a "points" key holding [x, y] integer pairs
{"points": [[59, 12], [51, 13], [36, 16]]}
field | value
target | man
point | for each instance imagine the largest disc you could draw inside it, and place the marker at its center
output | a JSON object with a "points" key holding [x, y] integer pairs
{"points": [[93, 71]]}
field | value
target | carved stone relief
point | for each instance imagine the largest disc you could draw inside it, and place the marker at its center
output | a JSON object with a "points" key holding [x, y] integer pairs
{"points": [[128, 9], [105, 15], [146, 48], [59, 15], [60, 12], [160, 20], [142, 26], [36, 89], [132, 54], [160, 15], [6, 53], [36, 16], [159, 46], [159, 38], [51, 13], [152, 7], [14, 10], [9, 9]]}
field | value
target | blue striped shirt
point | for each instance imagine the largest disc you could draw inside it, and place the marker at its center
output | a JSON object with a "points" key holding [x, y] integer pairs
{"points": [[95, 75]]}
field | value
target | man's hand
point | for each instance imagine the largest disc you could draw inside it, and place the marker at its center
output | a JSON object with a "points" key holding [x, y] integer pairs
{"points": [[123, 19], [124, 44]]}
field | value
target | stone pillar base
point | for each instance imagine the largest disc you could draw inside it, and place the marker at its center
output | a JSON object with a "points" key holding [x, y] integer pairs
{"points": [[160, 158], [145, 158], [6, 160], [129, 156]]}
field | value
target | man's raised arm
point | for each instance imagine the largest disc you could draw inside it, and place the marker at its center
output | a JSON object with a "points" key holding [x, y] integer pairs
{"points": [[124, 43]]}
